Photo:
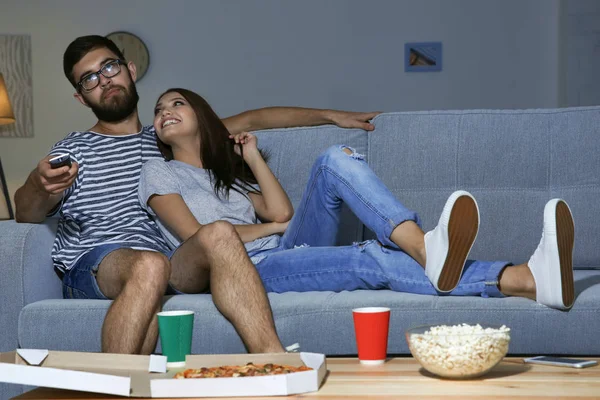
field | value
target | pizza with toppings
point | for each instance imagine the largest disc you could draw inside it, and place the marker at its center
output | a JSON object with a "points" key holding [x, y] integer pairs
{"points": [[235, 371]]}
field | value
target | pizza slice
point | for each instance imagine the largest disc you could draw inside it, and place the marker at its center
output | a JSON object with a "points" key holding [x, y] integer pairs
{"points": [[235, 371]]}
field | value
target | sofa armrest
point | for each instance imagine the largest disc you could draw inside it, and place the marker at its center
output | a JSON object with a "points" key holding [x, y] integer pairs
{"points": [[26, 273]]}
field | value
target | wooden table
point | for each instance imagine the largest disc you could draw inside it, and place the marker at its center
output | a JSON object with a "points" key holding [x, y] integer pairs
{"points": [[404, 378]]}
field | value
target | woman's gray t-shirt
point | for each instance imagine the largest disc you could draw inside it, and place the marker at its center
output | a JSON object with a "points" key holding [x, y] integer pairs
{"points": [[195, 187]]}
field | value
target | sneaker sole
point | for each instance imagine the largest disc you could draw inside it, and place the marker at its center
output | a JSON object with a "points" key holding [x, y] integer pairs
{"points": [[565, 236], [462, 231]]}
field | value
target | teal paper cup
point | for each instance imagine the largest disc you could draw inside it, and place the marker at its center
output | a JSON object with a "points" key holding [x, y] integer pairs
{"points": [[175, 330]]}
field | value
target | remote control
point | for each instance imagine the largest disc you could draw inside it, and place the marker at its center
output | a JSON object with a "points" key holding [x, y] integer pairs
{"points": [[60, 161]]}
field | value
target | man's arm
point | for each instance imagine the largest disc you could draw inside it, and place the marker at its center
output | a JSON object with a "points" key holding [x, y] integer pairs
{"points": [[42, 191], [285, 117]]}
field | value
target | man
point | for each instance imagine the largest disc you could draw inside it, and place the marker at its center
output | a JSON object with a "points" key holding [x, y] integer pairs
{"points": [[107, 247]]}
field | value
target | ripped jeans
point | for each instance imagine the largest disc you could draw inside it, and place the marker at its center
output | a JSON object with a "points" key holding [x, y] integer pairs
{"points": [[307, 260]]}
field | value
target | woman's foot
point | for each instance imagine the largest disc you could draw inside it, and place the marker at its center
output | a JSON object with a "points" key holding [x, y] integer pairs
{"points": [[448, 245], [552, 262]]}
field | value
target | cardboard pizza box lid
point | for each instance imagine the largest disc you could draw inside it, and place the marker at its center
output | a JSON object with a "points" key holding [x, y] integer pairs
{"points": [[55, 372], [130, 375]]}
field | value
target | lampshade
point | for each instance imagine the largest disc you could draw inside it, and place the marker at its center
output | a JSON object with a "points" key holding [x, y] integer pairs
{"points": [[6, 113]]}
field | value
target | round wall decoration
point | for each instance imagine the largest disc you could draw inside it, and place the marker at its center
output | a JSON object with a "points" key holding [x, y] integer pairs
{"points": [[133, 49]]}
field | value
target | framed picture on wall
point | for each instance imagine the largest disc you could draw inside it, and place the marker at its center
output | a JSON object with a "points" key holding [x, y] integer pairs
{"points": [[423, 57]]}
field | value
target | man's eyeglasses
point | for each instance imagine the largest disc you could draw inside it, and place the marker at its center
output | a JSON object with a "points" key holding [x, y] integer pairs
{"points": [[110, 69]]}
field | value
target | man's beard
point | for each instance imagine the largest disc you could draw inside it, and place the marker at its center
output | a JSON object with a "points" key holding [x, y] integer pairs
{"points": [[119, 106]]}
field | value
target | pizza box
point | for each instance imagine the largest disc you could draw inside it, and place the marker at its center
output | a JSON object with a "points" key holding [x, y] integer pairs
{"points": [[147, 376]]}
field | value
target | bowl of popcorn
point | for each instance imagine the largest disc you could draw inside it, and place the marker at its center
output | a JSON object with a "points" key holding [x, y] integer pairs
{"points": [[458, 351]]}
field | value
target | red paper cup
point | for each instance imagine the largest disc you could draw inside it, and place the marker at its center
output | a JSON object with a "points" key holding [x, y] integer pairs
{"points": [[371, 326]]}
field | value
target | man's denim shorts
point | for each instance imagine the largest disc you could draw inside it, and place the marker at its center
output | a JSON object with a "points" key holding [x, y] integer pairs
{"points": [[80, 281]]}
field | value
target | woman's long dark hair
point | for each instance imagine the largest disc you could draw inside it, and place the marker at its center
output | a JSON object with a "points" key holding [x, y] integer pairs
{"points": [[227, 168]]}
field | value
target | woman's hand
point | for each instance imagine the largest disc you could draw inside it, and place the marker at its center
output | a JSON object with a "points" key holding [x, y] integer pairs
{"points": [[250, 232], [280, 227], [249, 142]]}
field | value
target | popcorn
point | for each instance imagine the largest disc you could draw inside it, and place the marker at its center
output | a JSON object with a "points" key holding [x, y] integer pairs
{"points": [[459, 351]]}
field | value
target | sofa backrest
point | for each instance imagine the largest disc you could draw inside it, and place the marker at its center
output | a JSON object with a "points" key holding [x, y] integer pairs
{"points": [[512, 161]]}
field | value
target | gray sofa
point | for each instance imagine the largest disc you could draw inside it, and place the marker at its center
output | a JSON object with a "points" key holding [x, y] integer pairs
{"points": [[511, 161]]}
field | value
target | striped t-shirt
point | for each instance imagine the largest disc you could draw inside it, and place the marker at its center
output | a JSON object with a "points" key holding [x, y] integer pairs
{"points": [[102, 207]]}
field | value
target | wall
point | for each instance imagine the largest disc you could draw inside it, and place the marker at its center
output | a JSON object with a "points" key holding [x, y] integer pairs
{"points": [[318, 53], [582, 27]]}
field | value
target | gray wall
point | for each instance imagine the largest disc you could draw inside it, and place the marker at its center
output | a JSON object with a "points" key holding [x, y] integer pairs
{"points": [[582, 28], [345, 54]]}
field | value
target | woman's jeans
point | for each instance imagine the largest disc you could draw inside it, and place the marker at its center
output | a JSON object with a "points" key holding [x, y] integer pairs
{"points": [[308, 260]]}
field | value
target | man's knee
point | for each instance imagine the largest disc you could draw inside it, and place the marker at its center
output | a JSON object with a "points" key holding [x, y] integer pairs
{"points": [[151, 268], [127, 267], [216, 233]]}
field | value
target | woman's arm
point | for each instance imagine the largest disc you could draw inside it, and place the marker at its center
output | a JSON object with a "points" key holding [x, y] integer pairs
{"points": [[252, 232], [175, 214], [273, 204]]}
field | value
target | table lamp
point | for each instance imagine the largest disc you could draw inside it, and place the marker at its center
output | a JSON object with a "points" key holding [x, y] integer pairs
{"points": [[6, 117]]}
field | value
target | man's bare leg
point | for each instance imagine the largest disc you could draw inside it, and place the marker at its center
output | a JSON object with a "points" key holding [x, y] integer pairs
{"points": [[216, 254], [149, 344], [137, 281]]}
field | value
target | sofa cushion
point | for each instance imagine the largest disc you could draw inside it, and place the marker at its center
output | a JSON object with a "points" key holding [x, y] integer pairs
{"points": [[322, 321]]}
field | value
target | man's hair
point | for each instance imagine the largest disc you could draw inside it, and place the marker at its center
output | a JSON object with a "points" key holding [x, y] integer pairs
{"points": [[80, 47]]}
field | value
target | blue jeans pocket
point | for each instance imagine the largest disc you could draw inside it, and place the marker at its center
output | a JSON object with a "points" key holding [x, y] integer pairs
{"points": [[73, 293], [80, 283]]}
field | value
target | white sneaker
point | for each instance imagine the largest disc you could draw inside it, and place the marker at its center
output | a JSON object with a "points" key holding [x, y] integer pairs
{"points": [[449, 244], [552, 262]]}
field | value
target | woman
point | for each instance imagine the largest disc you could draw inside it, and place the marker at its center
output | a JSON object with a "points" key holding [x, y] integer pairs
{"points": [[209, 175]]}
